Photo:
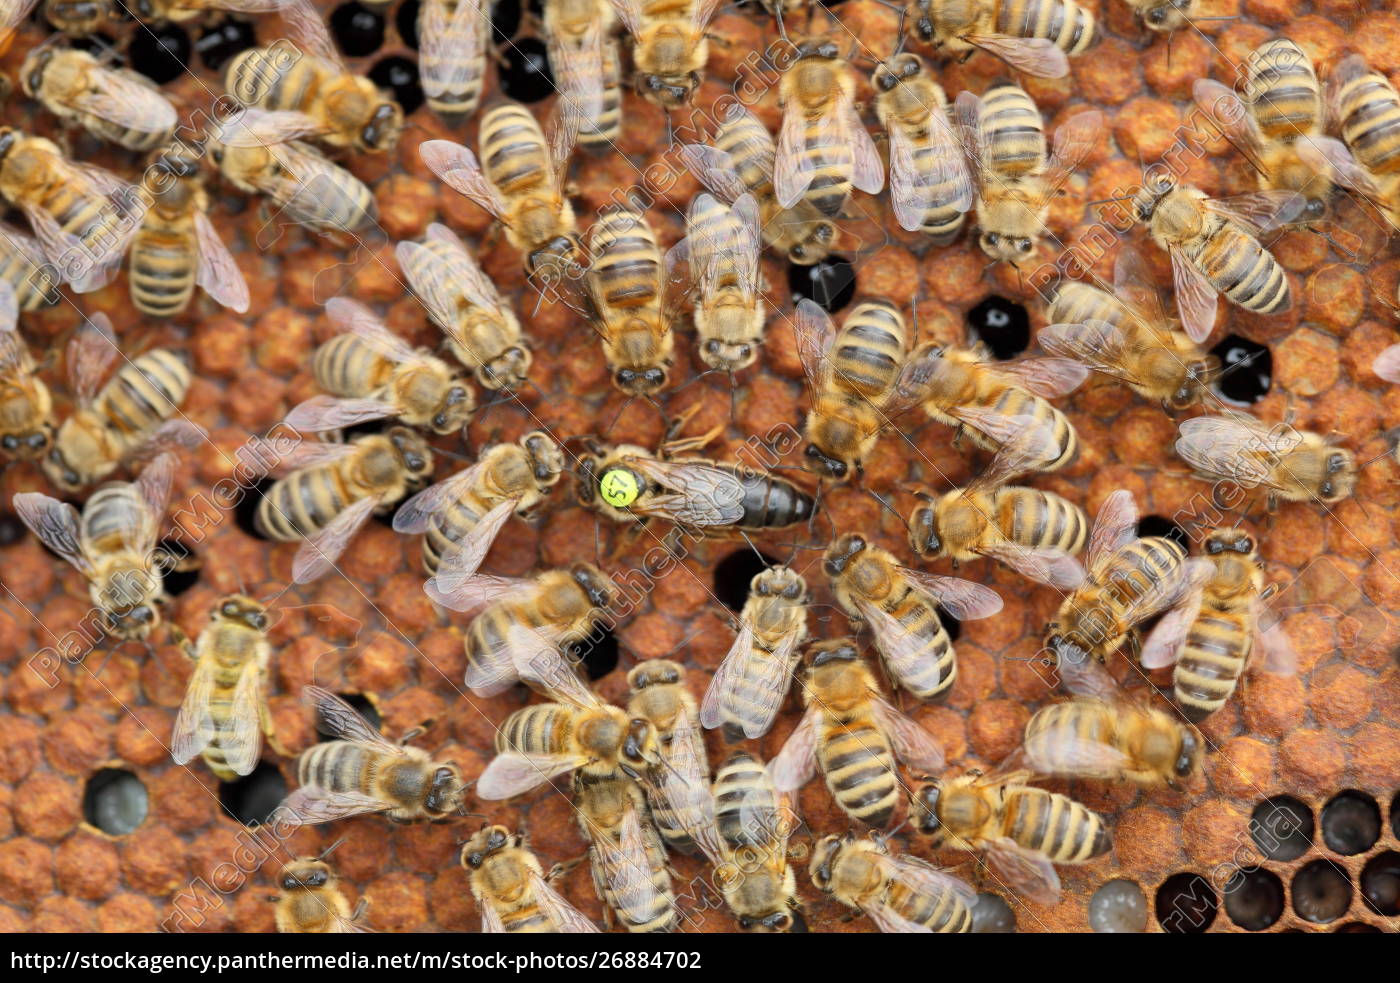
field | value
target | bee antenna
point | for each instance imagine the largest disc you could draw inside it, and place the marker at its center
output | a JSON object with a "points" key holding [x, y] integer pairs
{"points": [[1106, 201], [625, 403], [889, 508], [755, 549], [330, 849]]}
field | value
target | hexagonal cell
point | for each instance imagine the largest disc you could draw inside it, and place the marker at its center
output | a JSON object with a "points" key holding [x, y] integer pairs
{"points": [[1000, 324], [734, 573], [1186, 903], [525, 74], [1380, 883], [1118, 906], [1321, 892], [599, 652], [1156, 525], [830, 282], [1351, 822], [115, 801], [358, 31], [1246, 370], [252, 799], [1282, 827], [400, 76], [1254, 898], [991, 915]]}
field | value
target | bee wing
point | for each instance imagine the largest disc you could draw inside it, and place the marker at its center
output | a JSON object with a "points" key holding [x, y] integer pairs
{"points": [[1135, 288], [1101, 346], [302, 455], [565, 916], [1009, 431], [311, 190], [91, 353], [357, 319], [715, 169], [1062, 752], [470, 279], [194, 724], [627, 868], [154, 482], [324, 412], [578, 65], [1260, 211], [1048, 378], [631, 14], [1086, 676], [13, 353], [511, 773], [125, 101], [867, 170], [1227, 111], [458, 168], [1195, 297], [702, 13], [317, 555], [25, 247], [1034, 56], [561, 135], [700, 494], [415, 515], [459, 590], [452, 45], [242, 742], [1047, 566], [901, 650], [731, 669], [1387, 364], [1328, 155], [913, 187], [308, 30], [491, 923], [13, 12], [1074, 141], [1179, 587], [311, 804], [891, 922], [264, 128], [967, 123], [926, 878], [217, 273], [1115, 526], [709, 255], [170, 437], [763, 676], [1280, 658], [962, 599], [913, 745], [84, 266], [797, 761], [1027, 872], [56, 524], [536, 655], [815, 334], [1234, 446], [342, 722], [1164, 643], [792, 169]]}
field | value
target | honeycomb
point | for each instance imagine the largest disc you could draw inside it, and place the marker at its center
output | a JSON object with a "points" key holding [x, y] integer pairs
{"points": [[1295, 823]]}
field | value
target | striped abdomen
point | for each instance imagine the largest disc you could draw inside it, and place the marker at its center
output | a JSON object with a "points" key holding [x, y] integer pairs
{"points": [[143, 395], [220, 710], [339, 766], [163, 263], [868, 352], [930, 673], [88, 217], [1012, 401], [1039, 520], [856, 759], [1136, 569], [626, 269], [599, 133], [271, 79], [514, 155], [115, 519], [546, 728], [831, 163], [461, 58], [448, 525], [769, 502], [23, 267], [942, 912], [942, 218], [1212, 661], [1370, 112], [1067, 25], [347, 366], [645, 903], [1282, 91], [302, 504], [1013, 133], [1053, 824], [1076, 303], [746, 710], [1084, 722], [750, 146], [1240, 268], [746, 807]]}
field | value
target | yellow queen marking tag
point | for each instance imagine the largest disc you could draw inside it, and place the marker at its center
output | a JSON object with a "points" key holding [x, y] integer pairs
{"points": [[619, 488]]}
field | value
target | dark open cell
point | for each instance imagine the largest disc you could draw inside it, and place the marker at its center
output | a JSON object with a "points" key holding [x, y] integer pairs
{"points": [[11, 529], [1186, 903], [1254, 898], [991, 915], [1118, 906], [1357, 928], [1002, 325], [406, 20], [115, 801], [182, 570], [505, 20], [598, 653], [950, 624], [98, 44], [245, 512], [1380, 883], [525, 74], [1321, 892], [361, 705], [221, 41], [1282, 827], [829, 283], [733, 574], [1156, 525], [252, 799], [160, 52], [358, 30], [1246, 370], [1351, 822], [400, 76]]}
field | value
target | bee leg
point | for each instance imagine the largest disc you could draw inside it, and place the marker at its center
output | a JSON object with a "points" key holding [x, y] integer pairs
{"points": [[564, 868], [272, 898], [361, 907], [416, 732], [269, 728], [180, 639]]}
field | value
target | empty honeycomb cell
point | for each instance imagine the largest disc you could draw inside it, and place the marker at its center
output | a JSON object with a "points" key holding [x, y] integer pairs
{"points": [[525, 73], [406, 20], [1254, 898], [1156, 525], [11, 529], [734, 573], [358, 31], [991, 915], [1351, 822], [1186, 903], [252, 798], [599, 653], [222, 40], [1118, 906], [830, 283], [1246, 370], [115, 801], [505, 20], [182, 575], [400, 76], [1002, 325], [1282, 827], [1321, 892], [1380, 883], [160, 52], [1359, 928]]}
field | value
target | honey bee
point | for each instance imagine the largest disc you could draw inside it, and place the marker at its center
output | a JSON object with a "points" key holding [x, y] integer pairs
{"points": [[26, 406], [113, 544], [1213, 636], [1111, 740], [74, 18], [310, 900], [459, 517], [371, 373], [1036, 533], [1164, 15], [901, 607], [854, 735], [670, 47], [741, 162], [1366, 110], [627, 283], [1024, 831], [1214, 247], [1292, 465], [127, 417], [930, 186], [1128, 580], [482, 331], [750, 684], [625, 853], [852, 374], [1032, 36], [258, 152], [178, 247], [359, 771], [721, 251], [659, 695], [525, 625], [1128, 336], [522, 185], [117, 105], [24, 268], [452, 55], [181, 11], [1016, 181], [823, 147], [308, 81], [224, 706], [626, 483], [899, 893], [585, 57], [84, 217], [993, 402], [511, 890], [330, 490]]}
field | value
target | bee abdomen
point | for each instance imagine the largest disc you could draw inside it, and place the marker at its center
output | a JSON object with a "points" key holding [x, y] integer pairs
{"points": [[1211, 663], [541, 729], [932, 674], [337, 766], [831, 172], [461, 100], [627, 266], [869, 349], [145, 392], [745, 805], [1041, 520], [770, 503], [1055, 825], [942, 913], [599, 133], [859, 769], [1015, 135], [1067, 25], [300, 505], [267, 78], [750, 146], [1370, 111], [114, 514], [445, 531], [1244, 271], [162, 273], [1282, 90], [513, 148], [346, 366]]}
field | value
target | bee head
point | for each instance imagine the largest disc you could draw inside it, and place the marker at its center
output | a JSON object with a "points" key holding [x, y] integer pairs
{"points": [[1156, 185], [546, 458], [818, 48], [455, 409], [9, 136], [491, 839], [444, 792], [1006, 248], [304, 873], [385, 124], [1190, 757], [1340, 478], [640, 748], [134, 623], [30, 444], [1169, 16], [783, 920], [32, 72], [412, 450], [890, 73], [1229, 540], [834, 650], [507, 370], [654, 672], [593, 584], [779, 581], [923, 531], [1067, 648], [823, 857], [553, 261], [924, 810], [640, 382], [728, 356], [244, 609], [1198, 375], [666, 90], [840, 553]]}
